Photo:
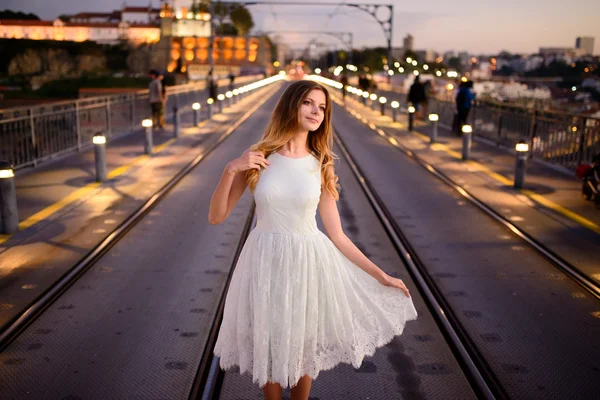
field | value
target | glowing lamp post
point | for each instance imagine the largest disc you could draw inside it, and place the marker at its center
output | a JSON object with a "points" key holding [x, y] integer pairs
{"points": [[229, 95], [373, 98], [382, 101], [395, 106], [221, 97], [210, 102], [9, 215], [411, 117], [433, 118], [522, 150], [196, 107], [99, 141], [467, 132], [365, 96], [147, 123]]}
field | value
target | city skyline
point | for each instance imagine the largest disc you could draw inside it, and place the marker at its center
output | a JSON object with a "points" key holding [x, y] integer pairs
{"points": [[440, 26]]}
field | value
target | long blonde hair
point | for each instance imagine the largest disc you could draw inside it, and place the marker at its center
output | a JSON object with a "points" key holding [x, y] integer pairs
{"points": [[284, 125]]}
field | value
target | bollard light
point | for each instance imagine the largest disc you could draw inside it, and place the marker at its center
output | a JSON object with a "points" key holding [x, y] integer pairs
{"points": [[6, 170], [99, 141], [373, 98], [466, 149], [147, 123], [411, 117], [236, 92], [210, 102], [9, 213], [196, 107], [235, 95], [434, 118], [522, 149], [382, 101], [221, 97], [395, 106], [229, 95]]}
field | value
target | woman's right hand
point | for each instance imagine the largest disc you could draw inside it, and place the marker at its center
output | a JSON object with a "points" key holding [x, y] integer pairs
{"points": [[248, 160]]}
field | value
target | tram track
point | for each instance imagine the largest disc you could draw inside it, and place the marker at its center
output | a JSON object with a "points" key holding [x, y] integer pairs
{"points": [[12, 329], [570, 270]]}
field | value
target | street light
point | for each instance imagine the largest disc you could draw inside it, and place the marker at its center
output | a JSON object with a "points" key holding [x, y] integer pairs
{"points": [[99, 141], [522, 149], [382, 101], [9, 214], [433, 118], [196, 107], [147, 123], [411, 117], [395, 106], [467, 131], [373, 98]]}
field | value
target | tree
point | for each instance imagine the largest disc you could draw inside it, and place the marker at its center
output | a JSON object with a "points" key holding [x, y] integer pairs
{"points": [[241, 19], [65, 17], [91, 63], [27, 63], [9, 14], [139, 60], [455, 63]]}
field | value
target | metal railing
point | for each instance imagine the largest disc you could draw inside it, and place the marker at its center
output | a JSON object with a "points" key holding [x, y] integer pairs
{"points": [[560, 138], [29, 135]]}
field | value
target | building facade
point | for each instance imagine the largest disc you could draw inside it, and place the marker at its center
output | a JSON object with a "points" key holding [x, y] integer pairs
{"points": [[585, 43]]}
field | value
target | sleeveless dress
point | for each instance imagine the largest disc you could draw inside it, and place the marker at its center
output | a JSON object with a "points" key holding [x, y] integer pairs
{"points": [[296, 305]]}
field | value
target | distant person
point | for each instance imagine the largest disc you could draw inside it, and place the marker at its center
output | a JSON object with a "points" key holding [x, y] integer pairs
{"points": [[417, 96], [155, 97], [363, 83], [464, 101], [344, 82], [162, 119], [211, 85], [231, 77]]}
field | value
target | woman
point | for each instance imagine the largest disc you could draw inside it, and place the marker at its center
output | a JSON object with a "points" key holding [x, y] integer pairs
{"points": [[299, 302]]}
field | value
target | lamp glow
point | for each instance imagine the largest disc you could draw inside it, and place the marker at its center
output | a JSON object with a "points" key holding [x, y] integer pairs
{"points": [[101, 139], [411, 110], [395, 104], [467, 129], [522, 147], [365, 95], [236, 92], [147, 123], [210, 100], [373, 96], [196, 106], [382, 100], [229, 95], [6, 171], [434, 117], [221, 97]]}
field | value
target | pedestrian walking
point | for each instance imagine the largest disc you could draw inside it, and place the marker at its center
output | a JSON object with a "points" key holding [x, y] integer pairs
{"points": [[464, 101], [155, 97], [417, 97], [299, 302]]}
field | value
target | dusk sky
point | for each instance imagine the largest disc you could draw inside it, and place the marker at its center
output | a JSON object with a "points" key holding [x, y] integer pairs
{"points": [[476, 26]]}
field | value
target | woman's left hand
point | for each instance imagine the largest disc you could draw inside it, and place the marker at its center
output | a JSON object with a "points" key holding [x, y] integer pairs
{"points": [[387, 280]]}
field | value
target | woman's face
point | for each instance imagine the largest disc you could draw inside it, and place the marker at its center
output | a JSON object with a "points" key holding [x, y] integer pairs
{"points": [[312, 111]]}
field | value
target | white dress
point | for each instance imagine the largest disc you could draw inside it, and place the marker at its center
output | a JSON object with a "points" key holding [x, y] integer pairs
{"points": [[296, 305]]}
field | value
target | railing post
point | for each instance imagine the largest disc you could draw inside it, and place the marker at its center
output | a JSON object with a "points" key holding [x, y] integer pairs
{"points": [[33, 143], [582, 141], [108, 121], [77, 125], [532, 131], [133, 124]]}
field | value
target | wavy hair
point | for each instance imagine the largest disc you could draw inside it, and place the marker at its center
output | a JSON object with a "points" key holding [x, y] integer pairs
{"points": [[284, 125]]}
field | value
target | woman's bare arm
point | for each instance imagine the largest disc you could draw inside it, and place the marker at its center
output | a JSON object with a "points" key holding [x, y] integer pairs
{"points": [[232, 185], [333, 225]]}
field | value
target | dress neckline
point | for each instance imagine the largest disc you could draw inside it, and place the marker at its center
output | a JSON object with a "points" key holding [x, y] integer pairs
{"points": [[293, 158]]}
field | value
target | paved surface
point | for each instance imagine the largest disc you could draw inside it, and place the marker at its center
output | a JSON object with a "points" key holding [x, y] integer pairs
{"points": [[31, 260], [536, 328], [549, 208], [135, 325]]}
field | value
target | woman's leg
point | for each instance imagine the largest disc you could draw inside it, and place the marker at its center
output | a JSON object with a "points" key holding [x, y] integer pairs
{"points": [[302, 389], [272, 391]]}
